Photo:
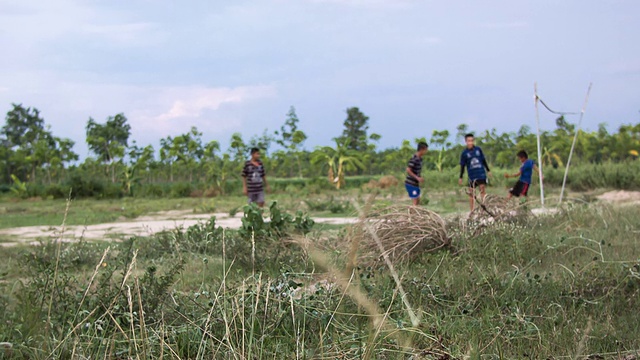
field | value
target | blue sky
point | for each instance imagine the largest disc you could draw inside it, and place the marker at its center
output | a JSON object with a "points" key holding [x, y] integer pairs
{"points": [[236, 66]]}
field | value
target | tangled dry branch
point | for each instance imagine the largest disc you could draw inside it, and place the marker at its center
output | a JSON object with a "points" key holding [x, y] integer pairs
{"points": [[404, 232]]}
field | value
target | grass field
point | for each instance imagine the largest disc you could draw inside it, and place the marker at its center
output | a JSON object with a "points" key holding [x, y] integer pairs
{"points": [[552, 287]]}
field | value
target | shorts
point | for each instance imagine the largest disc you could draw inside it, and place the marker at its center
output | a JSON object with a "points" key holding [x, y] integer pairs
{"points": [[413, 191], [477, 182], [521, 188], [256, 197]]}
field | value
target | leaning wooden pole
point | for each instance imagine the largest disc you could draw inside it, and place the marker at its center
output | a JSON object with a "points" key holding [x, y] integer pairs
{"points": [[535, 97], [575, 138]]}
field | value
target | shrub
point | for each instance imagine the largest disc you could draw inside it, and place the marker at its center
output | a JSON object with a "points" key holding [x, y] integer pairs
{"points": [[180, 190], [388, 181]]}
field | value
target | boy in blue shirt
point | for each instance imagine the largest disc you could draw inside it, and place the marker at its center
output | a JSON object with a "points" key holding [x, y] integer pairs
{"points": [[521, 188], [414, 168], [473, 159]]}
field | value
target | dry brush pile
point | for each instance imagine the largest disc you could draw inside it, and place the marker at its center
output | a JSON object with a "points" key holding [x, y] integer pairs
{"points": [[399, 233]]}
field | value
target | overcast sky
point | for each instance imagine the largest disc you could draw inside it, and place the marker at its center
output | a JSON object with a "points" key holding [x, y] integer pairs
{"points": [[236, 66]]}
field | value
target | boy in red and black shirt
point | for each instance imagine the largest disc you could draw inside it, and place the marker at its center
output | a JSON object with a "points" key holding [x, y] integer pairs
{"points": [[521, 188]]}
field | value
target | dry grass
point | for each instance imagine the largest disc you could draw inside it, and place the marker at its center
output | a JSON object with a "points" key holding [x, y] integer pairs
{"points": [[404, 233]]}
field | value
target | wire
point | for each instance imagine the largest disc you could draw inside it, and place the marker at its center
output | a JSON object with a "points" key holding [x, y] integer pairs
{"points": [[556, 112]]}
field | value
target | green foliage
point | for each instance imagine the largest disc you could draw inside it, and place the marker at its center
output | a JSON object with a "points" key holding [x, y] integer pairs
{"points": [[332, 205], [280, 225], [354, 134], [18, 188]]}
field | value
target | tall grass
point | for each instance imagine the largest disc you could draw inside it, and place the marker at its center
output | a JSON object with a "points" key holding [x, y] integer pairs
{"points": [[562, 286]]}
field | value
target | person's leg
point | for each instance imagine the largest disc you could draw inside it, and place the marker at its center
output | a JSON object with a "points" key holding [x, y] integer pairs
{"points": [[260, 199], [416, 201], [483, 192], [472, 200]]}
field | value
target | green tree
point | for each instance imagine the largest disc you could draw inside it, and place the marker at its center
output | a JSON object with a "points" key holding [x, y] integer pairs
{"points": [[109, 140], [355, 130], [184, 150], [338, 160], [291, 138], [440, 140], [30, 145]]}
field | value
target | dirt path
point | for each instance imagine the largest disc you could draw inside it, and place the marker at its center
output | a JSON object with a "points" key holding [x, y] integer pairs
{"points": [[142, 226], [152, 223]]}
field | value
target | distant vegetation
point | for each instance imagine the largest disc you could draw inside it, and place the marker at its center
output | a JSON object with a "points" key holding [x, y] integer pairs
{"points": [[35, 162]]}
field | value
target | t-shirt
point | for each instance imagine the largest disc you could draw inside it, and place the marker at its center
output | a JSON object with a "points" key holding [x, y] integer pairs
{"points": [[526, 170], [473, 160], [415, 164], [254, 175]]}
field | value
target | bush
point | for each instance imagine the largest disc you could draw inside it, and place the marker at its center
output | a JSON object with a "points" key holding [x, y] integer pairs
{"points": [[179, 190], [83, 187], [622, 176], [56, 191]]}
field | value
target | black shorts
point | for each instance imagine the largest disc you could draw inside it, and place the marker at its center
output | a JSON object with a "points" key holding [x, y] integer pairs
{"points": [[477, 182], [520, 188]]}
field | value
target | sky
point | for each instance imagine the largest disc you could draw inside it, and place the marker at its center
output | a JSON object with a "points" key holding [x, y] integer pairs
{"points": [[412, 66]]}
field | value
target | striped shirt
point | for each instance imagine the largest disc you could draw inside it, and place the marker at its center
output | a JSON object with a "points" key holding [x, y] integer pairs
{"points": [[415, 164], [255, 176]]}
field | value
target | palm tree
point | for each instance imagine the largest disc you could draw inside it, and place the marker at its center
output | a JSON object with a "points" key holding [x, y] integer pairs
{"points": [[338, 161]]}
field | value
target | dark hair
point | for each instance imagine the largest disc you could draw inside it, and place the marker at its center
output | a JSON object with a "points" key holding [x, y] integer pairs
{"points": [[523, 154], [254, 150], [468, 136], [422, 145]]}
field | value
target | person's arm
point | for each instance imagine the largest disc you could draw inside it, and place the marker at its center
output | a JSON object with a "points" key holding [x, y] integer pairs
{"points": [[244, 180], [484, 163], [537, 171], [513, 175], [413, 175], [461, 173]]}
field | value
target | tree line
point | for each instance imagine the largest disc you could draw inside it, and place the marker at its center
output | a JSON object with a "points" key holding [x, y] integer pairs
{"points": [[31, 153]]}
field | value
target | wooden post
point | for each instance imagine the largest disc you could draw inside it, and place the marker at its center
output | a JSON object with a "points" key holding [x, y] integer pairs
{"points": [[535, 97], [575, 138]]}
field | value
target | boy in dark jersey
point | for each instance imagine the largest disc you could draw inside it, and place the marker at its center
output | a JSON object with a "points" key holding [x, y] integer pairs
{"points": [[521, 188], [414, 168], [473, 159], [254, 179]]}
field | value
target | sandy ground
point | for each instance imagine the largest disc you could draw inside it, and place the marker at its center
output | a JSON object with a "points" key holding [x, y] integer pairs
{"points": [[621, 197], [143, 226], [152, 223]]}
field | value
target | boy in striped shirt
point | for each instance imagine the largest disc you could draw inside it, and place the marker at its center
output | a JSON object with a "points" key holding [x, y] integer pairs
{"points": [[414, 168], [254, 179]]}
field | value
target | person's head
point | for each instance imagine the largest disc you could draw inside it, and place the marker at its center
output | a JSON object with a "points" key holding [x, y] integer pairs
{"points": [[522, 155], [423, 147], [470, 141], [255, 154]]}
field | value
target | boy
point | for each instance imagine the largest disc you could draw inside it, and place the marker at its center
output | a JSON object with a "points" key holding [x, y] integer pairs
{"points": [[254, 179], [526, 171], [473, 159], [413, 180]]}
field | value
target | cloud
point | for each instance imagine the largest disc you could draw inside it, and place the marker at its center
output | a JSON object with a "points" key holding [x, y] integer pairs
{"points": [[505, 25], [369, 3], [191, 102], [135, 33]]}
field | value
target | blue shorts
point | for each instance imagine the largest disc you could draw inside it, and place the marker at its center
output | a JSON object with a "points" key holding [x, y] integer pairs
{"points": [[413, 191]]}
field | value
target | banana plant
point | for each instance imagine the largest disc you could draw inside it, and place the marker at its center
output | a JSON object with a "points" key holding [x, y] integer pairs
{"points": [[338, 160]]}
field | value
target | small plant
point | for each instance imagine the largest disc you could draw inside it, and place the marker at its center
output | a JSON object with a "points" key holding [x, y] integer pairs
{"points": [[18, 188], [233, 211], [279, 224]]}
